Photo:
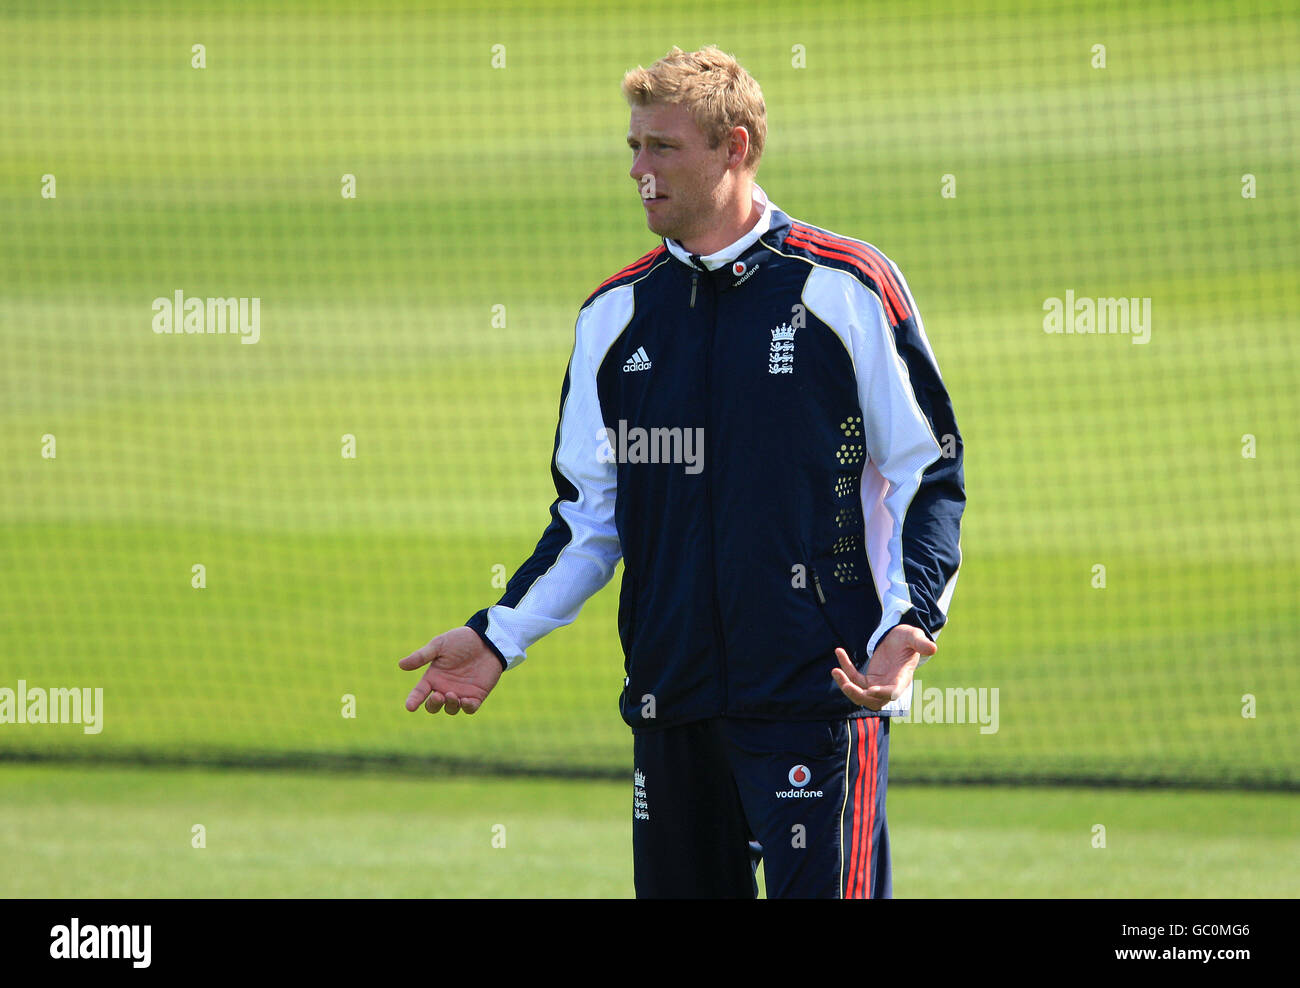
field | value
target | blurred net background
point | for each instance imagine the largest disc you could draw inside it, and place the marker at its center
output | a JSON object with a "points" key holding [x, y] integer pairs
{"points": [[482, 186]]}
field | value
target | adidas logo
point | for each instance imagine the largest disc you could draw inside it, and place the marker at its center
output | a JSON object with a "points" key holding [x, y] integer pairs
{"points": [[639, 361]]}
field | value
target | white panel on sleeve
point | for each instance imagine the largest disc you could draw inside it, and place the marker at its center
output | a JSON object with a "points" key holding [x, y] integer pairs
{"points": [[944, 600], [900, 443], [587, 561]]}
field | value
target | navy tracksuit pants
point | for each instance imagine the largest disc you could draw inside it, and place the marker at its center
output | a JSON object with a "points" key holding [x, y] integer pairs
{"points": [[710, 796]]}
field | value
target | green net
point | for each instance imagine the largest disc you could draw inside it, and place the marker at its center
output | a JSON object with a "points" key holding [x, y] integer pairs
{"points": [[1129, 588]]}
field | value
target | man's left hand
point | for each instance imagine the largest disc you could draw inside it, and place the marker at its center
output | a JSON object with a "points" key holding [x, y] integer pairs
{"points": [[889, 673]]}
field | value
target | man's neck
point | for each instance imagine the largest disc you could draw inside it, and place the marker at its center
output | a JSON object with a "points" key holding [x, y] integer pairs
{"points": [[738, 218]]}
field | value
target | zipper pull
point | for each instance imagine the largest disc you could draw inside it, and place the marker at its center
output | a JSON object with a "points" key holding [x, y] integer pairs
{"points": [[695, 277], [817, 585]]}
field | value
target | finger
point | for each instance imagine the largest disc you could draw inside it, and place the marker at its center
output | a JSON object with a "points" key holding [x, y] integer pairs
{"points": [[883, 693], [453, 704], [849, 668], [423, 654], [434, 703], [470, 706], [417, 695], [922, 644], [854, 692]]}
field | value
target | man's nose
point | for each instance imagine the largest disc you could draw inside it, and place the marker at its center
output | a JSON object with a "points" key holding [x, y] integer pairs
{"points": [[638, 170], [645, 182]]}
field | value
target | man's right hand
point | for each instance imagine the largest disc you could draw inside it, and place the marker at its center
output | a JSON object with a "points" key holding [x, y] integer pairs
{"points": [[462, 671]]}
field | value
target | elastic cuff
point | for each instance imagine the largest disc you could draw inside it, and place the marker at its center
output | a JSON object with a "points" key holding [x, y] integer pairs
{"points": [[912, 617], [477, 624]]}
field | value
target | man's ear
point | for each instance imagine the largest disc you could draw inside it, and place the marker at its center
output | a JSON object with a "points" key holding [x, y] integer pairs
{"points": [[737, 147]]}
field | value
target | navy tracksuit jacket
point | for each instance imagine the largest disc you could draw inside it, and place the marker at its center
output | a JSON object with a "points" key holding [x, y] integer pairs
{"points": [[770, 448]]}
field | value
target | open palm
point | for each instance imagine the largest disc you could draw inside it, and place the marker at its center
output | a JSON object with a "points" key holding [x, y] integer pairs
{"points": [[889, 673], [462, 672]]}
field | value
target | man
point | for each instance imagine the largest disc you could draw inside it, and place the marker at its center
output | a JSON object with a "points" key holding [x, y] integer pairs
{"points": [[753, 419]]}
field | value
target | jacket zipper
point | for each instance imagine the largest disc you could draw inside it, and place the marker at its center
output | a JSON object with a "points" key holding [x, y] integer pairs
{"points": [[708, 485]]}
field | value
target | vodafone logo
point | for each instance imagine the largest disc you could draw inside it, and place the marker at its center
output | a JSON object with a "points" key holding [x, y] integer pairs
{"points": [[743, 272], [799, 778]]}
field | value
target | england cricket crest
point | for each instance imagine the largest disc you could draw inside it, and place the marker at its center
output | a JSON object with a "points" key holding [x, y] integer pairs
{"points": [[780, 359]]}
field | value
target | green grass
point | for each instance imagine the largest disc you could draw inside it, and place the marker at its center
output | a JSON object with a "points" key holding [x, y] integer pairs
{"points": [[112, 833]]}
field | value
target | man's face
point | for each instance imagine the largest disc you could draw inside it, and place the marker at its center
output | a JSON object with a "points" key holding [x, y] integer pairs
{"points": [[680, 178]]}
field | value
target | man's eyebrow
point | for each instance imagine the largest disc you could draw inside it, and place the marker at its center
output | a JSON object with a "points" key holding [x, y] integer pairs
{"points": [[665, 138]]}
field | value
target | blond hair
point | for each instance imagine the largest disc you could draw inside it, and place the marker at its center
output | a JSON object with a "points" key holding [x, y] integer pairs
{"points": [[713, 86]]}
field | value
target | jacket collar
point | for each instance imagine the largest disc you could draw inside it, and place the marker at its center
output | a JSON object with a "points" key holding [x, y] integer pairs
{"points": [[732, 251]]}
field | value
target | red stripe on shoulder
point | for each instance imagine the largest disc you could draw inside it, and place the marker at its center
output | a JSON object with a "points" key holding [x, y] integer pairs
{"points": [[636, 267], [896, 294], [872, 257], [866, 259]]}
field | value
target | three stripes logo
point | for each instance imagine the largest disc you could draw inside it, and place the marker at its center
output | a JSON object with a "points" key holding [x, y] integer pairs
{"points": [[639, 361]]}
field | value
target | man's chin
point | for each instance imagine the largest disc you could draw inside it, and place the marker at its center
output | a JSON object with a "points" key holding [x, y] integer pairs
{"points": [[660, 228]]}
